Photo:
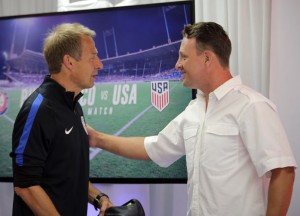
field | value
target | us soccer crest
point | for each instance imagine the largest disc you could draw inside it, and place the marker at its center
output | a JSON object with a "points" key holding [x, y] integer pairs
{"points": [[3, 102], [160, 94]]}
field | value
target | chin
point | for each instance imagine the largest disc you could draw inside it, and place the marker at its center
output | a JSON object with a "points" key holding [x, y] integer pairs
{"points": [[91, 85], [184, 83], [188, 85]]}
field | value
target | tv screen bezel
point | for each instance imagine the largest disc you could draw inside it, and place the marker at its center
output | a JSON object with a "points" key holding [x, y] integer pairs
{"points": [[191, 3]]}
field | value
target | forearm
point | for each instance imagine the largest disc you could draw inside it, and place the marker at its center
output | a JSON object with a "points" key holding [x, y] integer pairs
{"points": [[37, 200], [129, 147], [280, 191], [103, 203], [93, 192]]}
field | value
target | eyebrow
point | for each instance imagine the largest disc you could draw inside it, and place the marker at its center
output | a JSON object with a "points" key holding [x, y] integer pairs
{"points": [[181, 53], [94, 52]]}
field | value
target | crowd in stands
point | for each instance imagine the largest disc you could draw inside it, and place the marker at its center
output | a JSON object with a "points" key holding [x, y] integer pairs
{"points": [[135, 69]]}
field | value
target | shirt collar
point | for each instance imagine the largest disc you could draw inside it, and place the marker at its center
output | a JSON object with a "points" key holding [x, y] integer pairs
{"points": [[226, 87], [60, 93], [223, 89]]}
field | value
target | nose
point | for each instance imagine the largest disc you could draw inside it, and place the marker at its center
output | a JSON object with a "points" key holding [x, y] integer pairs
{"points": [[178, 65], [99, 64]]}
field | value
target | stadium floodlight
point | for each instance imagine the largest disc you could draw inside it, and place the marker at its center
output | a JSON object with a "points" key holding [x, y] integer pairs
{"points": [[107, 33], [5, 55], [27, 23], [23, 23], [12, 42], [166, 23], [170, 8]]}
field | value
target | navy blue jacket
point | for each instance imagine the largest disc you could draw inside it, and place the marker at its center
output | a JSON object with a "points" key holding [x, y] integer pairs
{"points": [[50, 149]]}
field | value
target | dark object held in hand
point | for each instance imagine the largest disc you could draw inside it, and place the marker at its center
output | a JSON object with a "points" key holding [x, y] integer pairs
{"points": [[131, 208]]}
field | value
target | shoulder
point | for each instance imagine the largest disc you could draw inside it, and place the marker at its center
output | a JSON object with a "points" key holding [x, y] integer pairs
{"points": [[254, 98], [35, 107]]}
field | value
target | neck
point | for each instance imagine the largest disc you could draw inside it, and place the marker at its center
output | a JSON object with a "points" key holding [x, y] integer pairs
{"points": [[215, 80], [64, 82]]}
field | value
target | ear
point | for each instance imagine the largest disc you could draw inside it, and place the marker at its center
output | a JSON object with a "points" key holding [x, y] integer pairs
{"points": [[208, 56], [68, 62]]}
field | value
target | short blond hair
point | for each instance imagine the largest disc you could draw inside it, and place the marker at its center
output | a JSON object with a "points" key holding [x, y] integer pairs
{"points": [[64, 39]]}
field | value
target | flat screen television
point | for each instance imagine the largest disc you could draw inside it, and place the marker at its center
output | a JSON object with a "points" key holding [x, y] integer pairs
{"points": [[136, 94]]}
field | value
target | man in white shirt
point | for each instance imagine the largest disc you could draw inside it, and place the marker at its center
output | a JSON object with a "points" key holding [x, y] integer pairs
{"points": [[238, 156]]}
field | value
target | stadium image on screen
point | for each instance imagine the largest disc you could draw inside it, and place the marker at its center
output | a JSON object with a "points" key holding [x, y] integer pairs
{"points": [[137, 92]]}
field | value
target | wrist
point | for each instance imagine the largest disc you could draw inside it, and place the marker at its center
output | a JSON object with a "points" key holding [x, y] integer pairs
{"points": [[97, 200]]}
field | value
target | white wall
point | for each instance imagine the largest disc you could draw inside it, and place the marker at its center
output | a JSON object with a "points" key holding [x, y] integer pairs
{"points": [[285, 77], [6, 198]]}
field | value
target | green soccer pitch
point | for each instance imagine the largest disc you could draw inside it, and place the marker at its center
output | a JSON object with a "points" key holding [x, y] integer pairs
{"points": [[123, 109]]}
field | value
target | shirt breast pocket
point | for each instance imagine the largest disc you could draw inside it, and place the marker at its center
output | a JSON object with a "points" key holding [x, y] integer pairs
{"points": [[221, 147]]}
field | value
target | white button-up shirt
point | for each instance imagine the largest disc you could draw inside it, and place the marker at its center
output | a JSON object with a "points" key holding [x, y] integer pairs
{"points": [[230, 147]]}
